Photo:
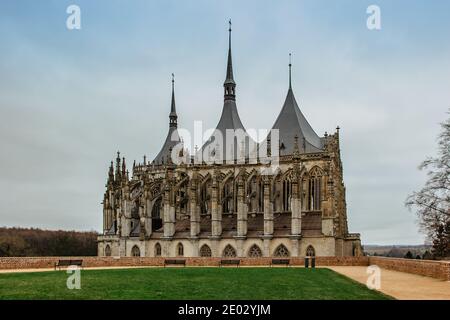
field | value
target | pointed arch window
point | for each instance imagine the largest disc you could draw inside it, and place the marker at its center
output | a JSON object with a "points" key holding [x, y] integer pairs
{"points": [[180, 250], [205, 251], [229, 252], [314, 189], [107, 251], [157, 250], [254, 251], [287, 191], [281, 251], [135, 252], [227, 197], [310, 252]]}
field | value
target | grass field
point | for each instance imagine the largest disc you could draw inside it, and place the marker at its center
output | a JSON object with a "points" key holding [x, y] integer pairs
{"points": [[187, 283]]}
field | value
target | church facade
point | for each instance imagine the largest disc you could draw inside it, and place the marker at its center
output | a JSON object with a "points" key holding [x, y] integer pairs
{"points": [[289, 202]]}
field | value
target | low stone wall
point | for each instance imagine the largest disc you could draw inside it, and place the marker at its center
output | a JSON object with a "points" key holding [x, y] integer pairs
{"points": [[435, 269], [49, 262], [430, 268]]}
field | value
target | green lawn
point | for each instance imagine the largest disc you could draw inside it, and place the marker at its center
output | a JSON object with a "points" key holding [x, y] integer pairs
{"points": [[187, 283]]}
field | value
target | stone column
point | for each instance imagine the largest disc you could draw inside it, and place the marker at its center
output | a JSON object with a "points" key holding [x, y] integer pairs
{"points": [[148, 217], [195, 248], [295, 246], [268, 209], [296, 204], [241, 209], [168, 214], [216, 213], [240, 247], [194, 207], [266, 247]]}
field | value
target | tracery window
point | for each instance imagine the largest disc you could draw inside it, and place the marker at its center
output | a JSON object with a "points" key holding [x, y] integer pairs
{"points": [[314, 189], [255, 252], [205, 251], [287, 190], [281, 251], [135, 252], [310, 252], [227, 196], [229, 252]]}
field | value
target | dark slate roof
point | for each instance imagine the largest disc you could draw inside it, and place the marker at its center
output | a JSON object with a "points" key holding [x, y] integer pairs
{"points": [[172, 140], [229, 120], [291, 122]]}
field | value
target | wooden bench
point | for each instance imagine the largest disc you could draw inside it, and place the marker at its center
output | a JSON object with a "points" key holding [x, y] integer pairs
{"points": [[67, 263], [174, 262], [285, 262], [229, 262]]}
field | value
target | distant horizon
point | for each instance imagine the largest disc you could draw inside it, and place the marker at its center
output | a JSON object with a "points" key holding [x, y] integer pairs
{"points": [[100, 232]]}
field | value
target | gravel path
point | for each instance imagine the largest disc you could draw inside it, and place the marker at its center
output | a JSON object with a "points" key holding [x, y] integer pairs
{"points": [[401, 285]]}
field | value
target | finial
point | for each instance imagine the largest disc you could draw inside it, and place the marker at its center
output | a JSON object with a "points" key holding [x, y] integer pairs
{"points": [[337, 129], [118, 154], [173, 79], [229, 33], [290, 67]]}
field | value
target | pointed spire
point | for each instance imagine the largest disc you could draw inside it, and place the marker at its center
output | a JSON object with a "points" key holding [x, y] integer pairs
{"points": [[118, 165], [173, 112], [111, 173], [229, 84], [124, 167], [290, 67]]}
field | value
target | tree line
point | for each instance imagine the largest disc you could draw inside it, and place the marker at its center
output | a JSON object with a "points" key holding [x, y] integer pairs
{"points": [[23, 242]]}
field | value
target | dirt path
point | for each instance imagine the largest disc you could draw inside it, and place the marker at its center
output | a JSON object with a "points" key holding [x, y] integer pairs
{"points": [[401, 285]]}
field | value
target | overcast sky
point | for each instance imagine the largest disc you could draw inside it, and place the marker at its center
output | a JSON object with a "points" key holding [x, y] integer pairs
{"points": [[70, 99]]}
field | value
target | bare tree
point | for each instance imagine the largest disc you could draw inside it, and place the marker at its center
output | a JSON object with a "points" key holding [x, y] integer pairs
{"points": [[432, 202]]}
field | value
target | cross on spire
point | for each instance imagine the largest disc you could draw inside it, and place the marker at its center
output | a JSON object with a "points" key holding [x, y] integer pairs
{"points": [[290, 67]]}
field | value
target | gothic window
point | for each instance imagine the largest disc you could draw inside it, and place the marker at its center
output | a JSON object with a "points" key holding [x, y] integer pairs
{"points": [[281, 251], [107, 251], [156, 210], [287, 190], [310, 252], [205, 251], [156, 215], [314, 188], [227, 196], [157, 250], [229, 252], [135, 252], [254, 251], [252, 193], [261, 195], [180, 250], [205, 201]]}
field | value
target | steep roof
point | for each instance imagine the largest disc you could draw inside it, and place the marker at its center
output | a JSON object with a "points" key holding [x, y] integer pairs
{"points": [[293, 126], [291, 122]]}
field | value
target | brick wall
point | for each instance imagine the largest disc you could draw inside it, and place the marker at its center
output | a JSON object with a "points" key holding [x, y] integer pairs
{"points": [[435, 269], [430, 268], [49, 262]]}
